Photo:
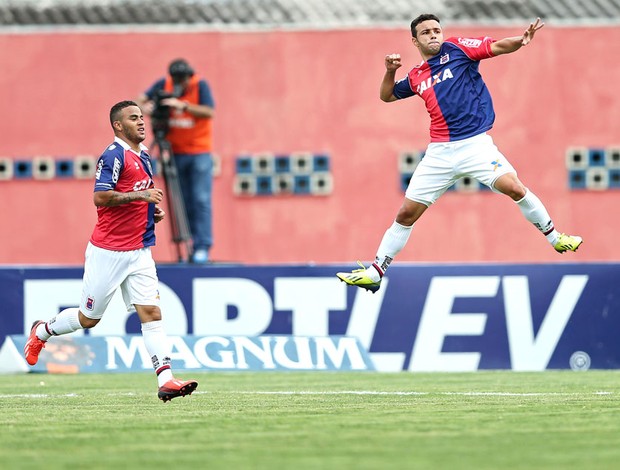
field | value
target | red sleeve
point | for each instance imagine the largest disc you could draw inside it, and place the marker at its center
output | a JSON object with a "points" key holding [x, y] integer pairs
{"points": [[475, 48]]}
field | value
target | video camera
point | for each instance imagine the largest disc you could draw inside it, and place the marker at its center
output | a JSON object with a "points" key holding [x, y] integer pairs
{"points": [[161, 114]]}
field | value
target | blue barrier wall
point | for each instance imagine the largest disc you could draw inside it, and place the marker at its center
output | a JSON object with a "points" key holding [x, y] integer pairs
{"points": [[424, 318]]}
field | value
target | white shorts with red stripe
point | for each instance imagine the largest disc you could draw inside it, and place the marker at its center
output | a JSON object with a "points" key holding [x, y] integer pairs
{"points": [[446, 162], [105, 271]]}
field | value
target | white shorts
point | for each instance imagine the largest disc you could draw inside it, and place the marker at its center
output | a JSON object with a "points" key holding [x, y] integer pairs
{"points": [[105, 271], [446, 162]]}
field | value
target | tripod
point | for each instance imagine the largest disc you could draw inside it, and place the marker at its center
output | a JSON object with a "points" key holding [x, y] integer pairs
{"points": [[179, 225]]}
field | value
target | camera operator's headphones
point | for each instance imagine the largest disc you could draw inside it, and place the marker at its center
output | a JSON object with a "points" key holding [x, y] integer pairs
{"points": [[180, 68]]}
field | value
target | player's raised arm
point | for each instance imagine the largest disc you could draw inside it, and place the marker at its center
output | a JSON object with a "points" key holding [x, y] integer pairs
{"points": [[392, 64], [512, 44]]}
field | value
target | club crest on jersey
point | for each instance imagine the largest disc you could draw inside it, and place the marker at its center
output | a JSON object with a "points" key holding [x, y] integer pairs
{"points": [[434, 80], [444, 59]]}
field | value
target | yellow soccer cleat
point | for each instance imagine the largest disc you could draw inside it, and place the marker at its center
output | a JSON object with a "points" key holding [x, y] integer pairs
{"points": [[359, 279], [567, 243]]}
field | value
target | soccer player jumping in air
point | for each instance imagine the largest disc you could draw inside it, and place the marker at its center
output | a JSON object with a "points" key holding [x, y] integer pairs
{"points": [[461, 112]]}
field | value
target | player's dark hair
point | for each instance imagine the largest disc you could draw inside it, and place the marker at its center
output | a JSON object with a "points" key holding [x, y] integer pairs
{"points": [[420, 19], [115, 111]]}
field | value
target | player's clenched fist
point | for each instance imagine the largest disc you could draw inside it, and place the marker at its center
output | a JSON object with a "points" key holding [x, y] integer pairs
{"points": [[159, 214], [392, 61]]}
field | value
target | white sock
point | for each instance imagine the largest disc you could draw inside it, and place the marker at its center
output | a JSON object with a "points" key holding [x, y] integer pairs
{"points": [[65, 322], [394, 240], [534, 211], [156, 343]]}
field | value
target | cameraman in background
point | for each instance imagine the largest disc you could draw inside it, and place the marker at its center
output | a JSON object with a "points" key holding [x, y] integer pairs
{"points": [[187, 102]]}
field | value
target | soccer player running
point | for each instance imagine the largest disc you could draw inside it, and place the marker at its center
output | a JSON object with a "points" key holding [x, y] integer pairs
{"points": [[461, 112], [118, 253]]}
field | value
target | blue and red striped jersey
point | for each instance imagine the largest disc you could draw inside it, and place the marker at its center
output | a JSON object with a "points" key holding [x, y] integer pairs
{"points": [[456, 97], [129, 226]]}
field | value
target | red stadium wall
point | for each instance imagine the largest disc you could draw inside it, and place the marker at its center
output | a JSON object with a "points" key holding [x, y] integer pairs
{"points": [[312, 91]]}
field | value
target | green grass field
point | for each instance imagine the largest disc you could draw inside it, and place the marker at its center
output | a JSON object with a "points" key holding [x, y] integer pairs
{"points": [[484, 420]]}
